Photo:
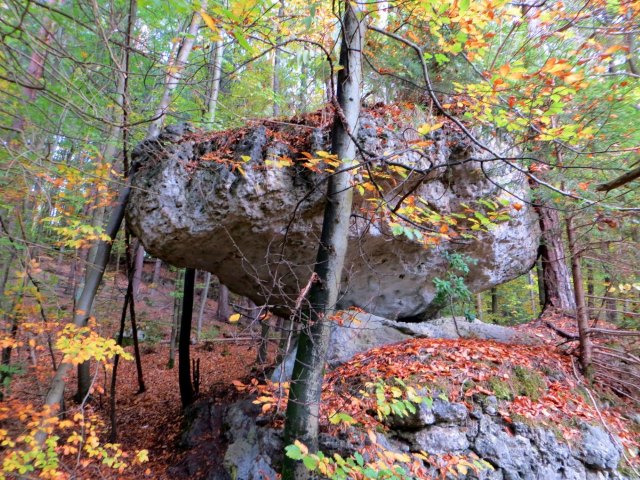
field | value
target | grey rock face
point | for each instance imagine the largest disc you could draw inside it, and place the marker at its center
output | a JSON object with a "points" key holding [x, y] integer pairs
{"points": [[598, 451], [360, 332], [258, 232], [516, 451], [251, 449], [438, 440], [423, 417]]}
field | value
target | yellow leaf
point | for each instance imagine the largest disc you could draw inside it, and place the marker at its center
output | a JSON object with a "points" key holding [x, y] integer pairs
{"points": [[234, 318], [209, 21], [303, 448], [427, 128], [142, 456], [574, 77]]}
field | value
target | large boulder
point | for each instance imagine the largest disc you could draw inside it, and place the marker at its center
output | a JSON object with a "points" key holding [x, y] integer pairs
{"points": [[223, 202]]}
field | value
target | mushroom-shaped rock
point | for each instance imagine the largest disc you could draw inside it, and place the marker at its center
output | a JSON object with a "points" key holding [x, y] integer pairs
{"points": [[247, 205]]}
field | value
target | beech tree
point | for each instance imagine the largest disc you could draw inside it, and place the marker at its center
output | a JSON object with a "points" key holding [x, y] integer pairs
{"points": [[306, 381]]}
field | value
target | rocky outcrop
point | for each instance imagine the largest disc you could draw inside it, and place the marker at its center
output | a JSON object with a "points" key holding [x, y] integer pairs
{"points": [[513, 451], [358, 332], [224, 203]]}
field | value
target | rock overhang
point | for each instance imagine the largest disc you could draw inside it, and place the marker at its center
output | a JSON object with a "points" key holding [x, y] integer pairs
{"points": [[221, 202]]}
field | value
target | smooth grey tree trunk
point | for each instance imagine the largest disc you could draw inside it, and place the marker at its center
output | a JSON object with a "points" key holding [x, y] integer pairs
{"points": [[306, 382], [277, 54], [203, 304], [138, 269], [157, 268], [175, 73]]}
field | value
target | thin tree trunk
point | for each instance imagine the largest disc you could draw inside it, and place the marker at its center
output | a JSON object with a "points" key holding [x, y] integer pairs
{"points": [[216, 76], [611, 304], [578, 288], [494, 301], [85, 302], [532, 293], [277, 53], [306, 382], [175, 73], [542, 298], [590, 288], [136, 346], [479, 309], [157, 268], [175, 324], [203, 304], [138, 269], [187, 393], [557, 280], [223, 312], [286, 337]]}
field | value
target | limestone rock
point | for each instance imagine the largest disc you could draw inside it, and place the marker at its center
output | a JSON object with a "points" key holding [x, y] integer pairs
{"points": [[258, 230]]}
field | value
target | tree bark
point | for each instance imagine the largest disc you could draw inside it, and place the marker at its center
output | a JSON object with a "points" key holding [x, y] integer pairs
{"points": [[223, 312], [187, 393], [175, 324], [479, 310], [157, 268], [277, 53], [494, 301], [557, 280], [203, 304], [138, 268], [306, 383], [581, 309], [175, 73]]}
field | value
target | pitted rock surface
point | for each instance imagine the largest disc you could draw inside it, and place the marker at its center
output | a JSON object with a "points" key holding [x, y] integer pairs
{"points": [[257, 227]]}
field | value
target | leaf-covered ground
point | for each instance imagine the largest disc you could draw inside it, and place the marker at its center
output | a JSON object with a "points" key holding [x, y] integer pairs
{"points": [[538, 384]]}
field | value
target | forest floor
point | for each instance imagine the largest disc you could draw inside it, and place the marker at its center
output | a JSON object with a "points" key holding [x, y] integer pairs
{"points": [[153, 420]]}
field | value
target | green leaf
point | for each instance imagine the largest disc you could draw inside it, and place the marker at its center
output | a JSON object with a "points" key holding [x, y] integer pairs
{"points": [[293, 452], [311, 462]]}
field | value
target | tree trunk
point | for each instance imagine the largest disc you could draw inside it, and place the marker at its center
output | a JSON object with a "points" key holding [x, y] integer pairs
{"points": [[157, 268], [203, 304], [175, 323], [590, 288], [223, 312], [479, 309], [532, 293], [187, 393], [216, 75], [557, 281], [540, 274], [138, 270], [494, 301], [581, 309], [85, 302], [306, 382], [175, 73], [277, 53]]}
